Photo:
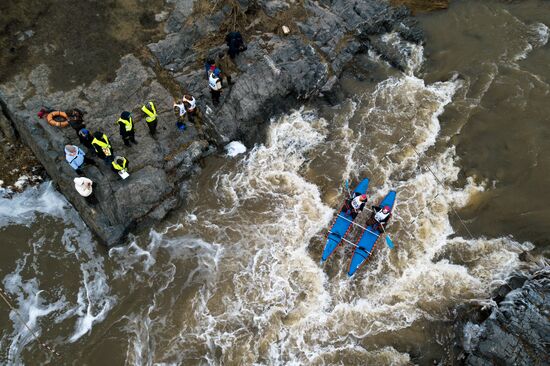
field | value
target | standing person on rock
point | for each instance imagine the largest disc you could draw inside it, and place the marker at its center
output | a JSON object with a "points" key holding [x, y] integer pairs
{"points": [[235, 42], [126, 125], [215, 85], [227, 67], [77, 158], [102, 147], [150, 117], [86, 138]]}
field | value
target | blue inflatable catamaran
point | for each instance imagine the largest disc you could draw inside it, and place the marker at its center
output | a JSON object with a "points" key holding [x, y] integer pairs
{"points": [[366, 242], [341, 225]]}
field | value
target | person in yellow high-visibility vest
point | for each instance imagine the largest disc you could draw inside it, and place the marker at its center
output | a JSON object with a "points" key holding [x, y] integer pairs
{"points": [[151, 117], [126, 125]]}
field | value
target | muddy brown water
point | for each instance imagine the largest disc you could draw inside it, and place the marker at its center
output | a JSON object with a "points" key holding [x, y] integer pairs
{"points": [[234, 278]]}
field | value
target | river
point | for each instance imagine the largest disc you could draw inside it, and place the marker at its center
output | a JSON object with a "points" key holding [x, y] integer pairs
{"points": [[234, 278]]}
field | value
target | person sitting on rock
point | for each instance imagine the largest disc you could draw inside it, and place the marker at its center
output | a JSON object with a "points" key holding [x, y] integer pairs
{"points": [[84, 187], [77, 158], [120, 166], [102, 147], [126, 125]]}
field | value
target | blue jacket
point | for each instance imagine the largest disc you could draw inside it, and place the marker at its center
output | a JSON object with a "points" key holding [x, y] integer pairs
{"points": [[76, 161]]}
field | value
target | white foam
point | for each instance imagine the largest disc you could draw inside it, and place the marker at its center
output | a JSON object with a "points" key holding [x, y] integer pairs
{"points": [[22, 208], [93, 300], [235, 148]]}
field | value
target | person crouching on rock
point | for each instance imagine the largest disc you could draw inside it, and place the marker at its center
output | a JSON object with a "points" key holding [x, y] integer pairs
{"points": [[76, 119], [126, 125], [120, 166], [215, 84], [102, 147], [77, 158], [180, 111], [150, 117], [84, 187]]}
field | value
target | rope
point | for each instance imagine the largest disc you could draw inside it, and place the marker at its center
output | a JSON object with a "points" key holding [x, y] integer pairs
{"points": [[441, 183], [43, 345]]}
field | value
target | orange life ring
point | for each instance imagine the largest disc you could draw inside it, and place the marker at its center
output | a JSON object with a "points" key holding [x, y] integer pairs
{"points": [[60, 114]]}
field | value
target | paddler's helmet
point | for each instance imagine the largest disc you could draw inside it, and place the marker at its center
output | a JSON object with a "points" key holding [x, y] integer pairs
{"points": [[363, 197], [386, 209]]}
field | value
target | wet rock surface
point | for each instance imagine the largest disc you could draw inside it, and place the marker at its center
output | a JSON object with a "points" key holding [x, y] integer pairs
{"points": [[516, 331], [276, 73]]}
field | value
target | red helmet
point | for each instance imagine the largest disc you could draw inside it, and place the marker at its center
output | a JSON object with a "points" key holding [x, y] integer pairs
{"points": [[386, 209], [363, 197]]}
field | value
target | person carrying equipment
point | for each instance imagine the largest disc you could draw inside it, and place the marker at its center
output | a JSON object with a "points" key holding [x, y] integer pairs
{"points": [[77, 158], [180, 111], [151, 117], [190, 105], [102, 147], [120, 166], [126, 125], [380, 216], [215, 84], [356, 204]]}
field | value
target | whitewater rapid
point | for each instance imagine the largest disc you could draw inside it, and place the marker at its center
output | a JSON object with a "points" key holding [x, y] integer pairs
{"points": [[235, 277]]}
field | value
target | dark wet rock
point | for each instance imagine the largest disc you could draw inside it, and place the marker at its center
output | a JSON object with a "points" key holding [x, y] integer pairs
{"points": [[276, 72], [514, 332]]}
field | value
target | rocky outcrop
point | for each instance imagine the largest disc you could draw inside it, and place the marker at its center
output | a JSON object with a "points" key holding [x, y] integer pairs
{"points": [[154, 176], [516, 331], [275, 74]]}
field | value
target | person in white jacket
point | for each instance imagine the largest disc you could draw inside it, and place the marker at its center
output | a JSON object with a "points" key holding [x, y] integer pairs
{"points": [[84, 187]]}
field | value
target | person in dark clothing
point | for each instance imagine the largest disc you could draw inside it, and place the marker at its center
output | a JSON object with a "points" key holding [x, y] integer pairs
{"points": [[102, 147], [86, 138], [235, 42], [126, 125], [76, 119]]}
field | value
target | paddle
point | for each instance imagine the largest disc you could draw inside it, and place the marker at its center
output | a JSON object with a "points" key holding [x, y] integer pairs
{"points": [[356, 224], [347, 188], [389, 242]]}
